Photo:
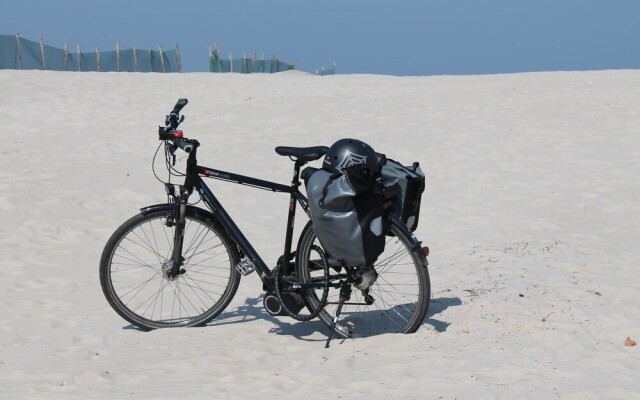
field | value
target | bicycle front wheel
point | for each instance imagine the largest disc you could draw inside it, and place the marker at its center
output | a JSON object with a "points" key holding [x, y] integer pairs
{"points": [[135, 260], [400, 294]]}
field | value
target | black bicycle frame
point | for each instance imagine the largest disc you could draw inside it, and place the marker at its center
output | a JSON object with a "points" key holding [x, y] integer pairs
{"points": [[193, 180]]}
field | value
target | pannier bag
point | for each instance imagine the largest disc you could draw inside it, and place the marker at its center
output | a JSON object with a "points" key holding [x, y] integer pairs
{"points": [[346, 212], [410, 181]]}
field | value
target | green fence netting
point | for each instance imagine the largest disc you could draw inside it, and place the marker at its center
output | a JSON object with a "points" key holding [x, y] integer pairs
{"points": [[246, 65], [328, 71], [19, 53]]}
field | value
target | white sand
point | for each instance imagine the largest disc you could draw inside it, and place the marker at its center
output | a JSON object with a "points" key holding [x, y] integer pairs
{"points": [[532, 215]]}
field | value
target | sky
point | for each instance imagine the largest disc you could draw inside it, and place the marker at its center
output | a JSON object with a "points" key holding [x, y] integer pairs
{"points": [[400, 37]]}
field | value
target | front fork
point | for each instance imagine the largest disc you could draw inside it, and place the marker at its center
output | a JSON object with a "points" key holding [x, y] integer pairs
{"points": [[177, 219]]}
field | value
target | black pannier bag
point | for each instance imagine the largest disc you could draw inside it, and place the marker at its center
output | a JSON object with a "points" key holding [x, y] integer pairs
{"points": [[346, 212], [406, 184]]}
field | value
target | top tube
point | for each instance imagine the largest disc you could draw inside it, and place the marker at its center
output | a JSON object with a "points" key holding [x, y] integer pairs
{"points": [[244, 180]]}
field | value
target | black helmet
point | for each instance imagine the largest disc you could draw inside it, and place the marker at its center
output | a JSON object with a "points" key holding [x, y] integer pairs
{"points": [[347, 152]]}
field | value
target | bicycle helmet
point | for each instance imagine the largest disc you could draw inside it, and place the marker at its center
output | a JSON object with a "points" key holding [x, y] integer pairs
{"points": [[347, 152]]}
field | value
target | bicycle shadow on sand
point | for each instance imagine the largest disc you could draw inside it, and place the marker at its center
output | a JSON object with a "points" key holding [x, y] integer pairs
{"points": [[315, 330], [437, 306], [252, 310]]}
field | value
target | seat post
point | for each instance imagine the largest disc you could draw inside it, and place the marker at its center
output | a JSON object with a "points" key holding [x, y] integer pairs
{"points": [[295, 182]]}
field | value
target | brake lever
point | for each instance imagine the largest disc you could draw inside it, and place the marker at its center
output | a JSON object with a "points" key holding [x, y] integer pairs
{"points": [[172, 121], [172, 150]]}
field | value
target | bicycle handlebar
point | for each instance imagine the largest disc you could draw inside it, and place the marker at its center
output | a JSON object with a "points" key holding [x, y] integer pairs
{"points": [[169, 132], [185, 145], [179, 106], [173, 119]]}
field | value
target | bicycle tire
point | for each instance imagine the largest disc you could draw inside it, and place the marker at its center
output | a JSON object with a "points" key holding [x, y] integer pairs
{"points": [[132, 278], [402, 290]]}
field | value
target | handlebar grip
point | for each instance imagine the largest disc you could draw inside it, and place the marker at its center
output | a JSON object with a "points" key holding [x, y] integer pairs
{"points": [[185, 145], [179, 106]]}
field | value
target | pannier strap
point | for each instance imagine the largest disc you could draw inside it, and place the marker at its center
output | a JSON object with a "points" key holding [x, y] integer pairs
{"points": [[325, 188], [303, 153]]}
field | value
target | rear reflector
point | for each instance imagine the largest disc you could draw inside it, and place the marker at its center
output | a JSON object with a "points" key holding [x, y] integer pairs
{"points": [[425, 251]]}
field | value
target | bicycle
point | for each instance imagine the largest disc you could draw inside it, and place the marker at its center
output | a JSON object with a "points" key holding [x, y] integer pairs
{"points": [[178, 265]]}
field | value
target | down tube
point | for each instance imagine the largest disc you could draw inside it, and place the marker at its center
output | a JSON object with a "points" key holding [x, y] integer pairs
{"points": [[232, 229]]}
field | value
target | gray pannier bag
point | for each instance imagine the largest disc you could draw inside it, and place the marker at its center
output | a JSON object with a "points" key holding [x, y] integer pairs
{"points": [[406, 185], [346, 212]]}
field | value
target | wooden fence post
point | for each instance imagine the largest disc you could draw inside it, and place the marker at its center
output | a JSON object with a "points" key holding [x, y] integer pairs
{"points": [[98, 58], [135, 59], [244, 63], [230, 62], [117, 56], [162, 60], [79, 59], [44, 63], [218, 60], [19, 51], [66, 57], [150, 59], [178, 59]]}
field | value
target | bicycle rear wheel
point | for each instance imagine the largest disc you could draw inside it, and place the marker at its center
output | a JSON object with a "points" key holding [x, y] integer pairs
{"points": [[134, 263], [400, 294]]}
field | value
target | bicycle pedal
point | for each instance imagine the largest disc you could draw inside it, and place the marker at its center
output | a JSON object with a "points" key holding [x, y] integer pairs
{"points": [[245, 267]]}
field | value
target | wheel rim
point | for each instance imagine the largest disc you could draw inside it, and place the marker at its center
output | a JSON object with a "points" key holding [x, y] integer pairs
{"points": [[140, 285], [397, 293]]}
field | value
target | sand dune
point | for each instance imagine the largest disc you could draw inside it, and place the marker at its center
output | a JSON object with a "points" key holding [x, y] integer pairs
{"points": [[531, 213]]}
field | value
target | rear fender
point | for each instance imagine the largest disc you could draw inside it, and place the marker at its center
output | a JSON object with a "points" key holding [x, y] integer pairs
{"points": [[415, 243]]}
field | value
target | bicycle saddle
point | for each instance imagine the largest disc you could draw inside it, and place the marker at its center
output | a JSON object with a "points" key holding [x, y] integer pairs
{"points": [[303, 153]]}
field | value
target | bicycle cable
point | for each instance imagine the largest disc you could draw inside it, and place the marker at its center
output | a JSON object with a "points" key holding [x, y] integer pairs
{"points": [[170, 156], [153, 164]]}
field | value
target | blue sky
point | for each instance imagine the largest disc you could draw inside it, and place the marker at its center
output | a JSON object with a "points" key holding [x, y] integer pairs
{"points": [[412, 37]]}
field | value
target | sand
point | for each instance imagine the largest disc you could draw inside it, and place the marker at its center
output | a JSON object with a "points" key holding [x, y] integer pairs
{"points": [[531, 213]]}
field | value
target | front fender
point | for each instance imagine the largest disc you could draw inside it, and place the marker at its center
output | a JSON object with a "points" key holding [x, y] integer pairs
{"points": [[167, 207], [156, 207]]}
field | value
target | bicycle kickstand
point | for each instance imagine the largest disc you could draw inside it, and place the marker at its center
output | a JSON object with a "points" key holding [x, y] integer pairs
{"points": [[345, 295]]}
